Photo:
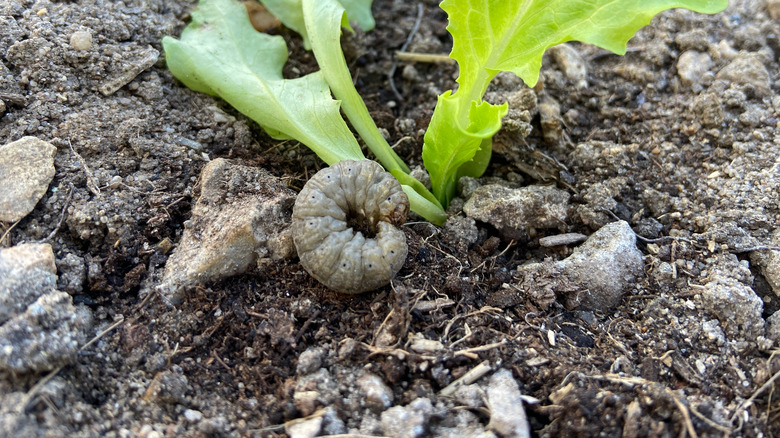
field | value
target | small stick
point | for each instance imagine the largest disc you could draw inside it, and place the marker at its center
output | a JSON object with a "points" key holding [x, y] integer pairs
{"points": [[433, 58], [470, 377]]}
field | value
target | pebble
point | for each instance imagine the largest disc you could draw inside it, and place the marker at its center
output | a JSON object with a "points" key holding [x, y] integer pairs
{"points": [[735, 305], [691, 66], [408, 421], [239, 219], [309, 361], [193, 416], [168, 387], [515, 211], [378, 396], [26, 169], [304, 429], [507, 415], [81, 40], [773, 328], [746, 69], [27, 271]]}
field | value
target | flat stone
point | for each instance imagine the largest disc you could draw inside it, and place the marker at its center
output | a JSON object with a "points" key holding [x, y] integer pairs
{"points": [[239, 219], [507, 415], [515, 211], [26, 169]]}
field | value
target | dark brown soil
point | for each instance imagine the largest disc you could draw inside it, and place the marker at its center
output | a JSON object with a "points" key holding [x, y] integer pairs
{"points": [[632, 145]]}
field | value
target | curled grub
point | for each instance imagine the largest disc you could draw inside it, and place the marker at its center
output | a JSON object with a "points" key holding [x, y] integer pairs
{"points": [[345, 226]]}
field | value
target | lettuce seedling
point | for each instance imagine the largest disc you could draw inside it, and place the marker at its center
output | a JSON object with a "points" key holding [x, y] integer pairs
{"points": [[491, 36], [219, 53]]}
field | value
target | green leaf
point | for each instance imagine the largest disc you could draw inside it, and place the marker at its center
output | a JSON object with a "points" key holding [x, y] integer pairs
{"points": [[490, 36], [449, 145], [324, 20], [290, 12], [221, 54]]}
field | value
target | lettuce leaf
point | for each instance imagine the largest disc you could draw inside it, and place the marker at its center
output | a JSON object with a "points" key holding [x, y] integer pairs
{"points": [[491, 36], [221, 54], [290, 12]]}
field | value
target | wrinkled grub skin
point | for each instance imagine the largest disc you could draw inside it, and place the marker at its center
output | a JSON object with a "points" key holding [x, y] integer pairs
{"points": [[230, 350]]}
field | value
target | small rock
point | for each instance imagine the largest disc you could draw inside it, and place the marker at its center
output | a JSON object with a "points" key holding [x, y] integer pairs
{"points": [[333, 425], [81, 40], [773, 7], [769, 263], [48, 334], [378, 396], [306, 401], [507, 415], [514, 211], [193, 416], [571, 63], [240, 210], [27, 271], [408, 421], [747, 70], [168, 387], [73, 273], [595, 276], [708, 109], [691, 66], [309, 361], [304, 428], [26, 169], [736, 306], [470, 395], [773, 328]]}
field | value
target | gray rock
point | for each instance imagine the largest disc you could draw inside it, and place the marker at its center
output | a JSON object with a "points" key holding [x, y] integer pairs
{"points": [[168, 387], [736, 306], [239, 220], [595, 276], [378, 396], [47, 335], [769, 263], [27, 271], [507, 415], [81, 40], [408, 421], [773, 328], [691, 66], [747, 69], [26, 169], [304, 428], [309, 361], [514, 211]]}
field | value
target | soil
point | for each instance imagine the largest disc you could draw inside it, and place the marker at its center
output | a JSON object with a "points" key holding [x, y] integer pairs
{"points": [[690, 161]]}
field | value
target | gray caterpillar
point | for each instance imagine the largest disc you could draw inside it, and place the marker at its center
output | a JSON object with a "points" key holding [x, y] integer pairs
{"points": [[344, 226]]}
